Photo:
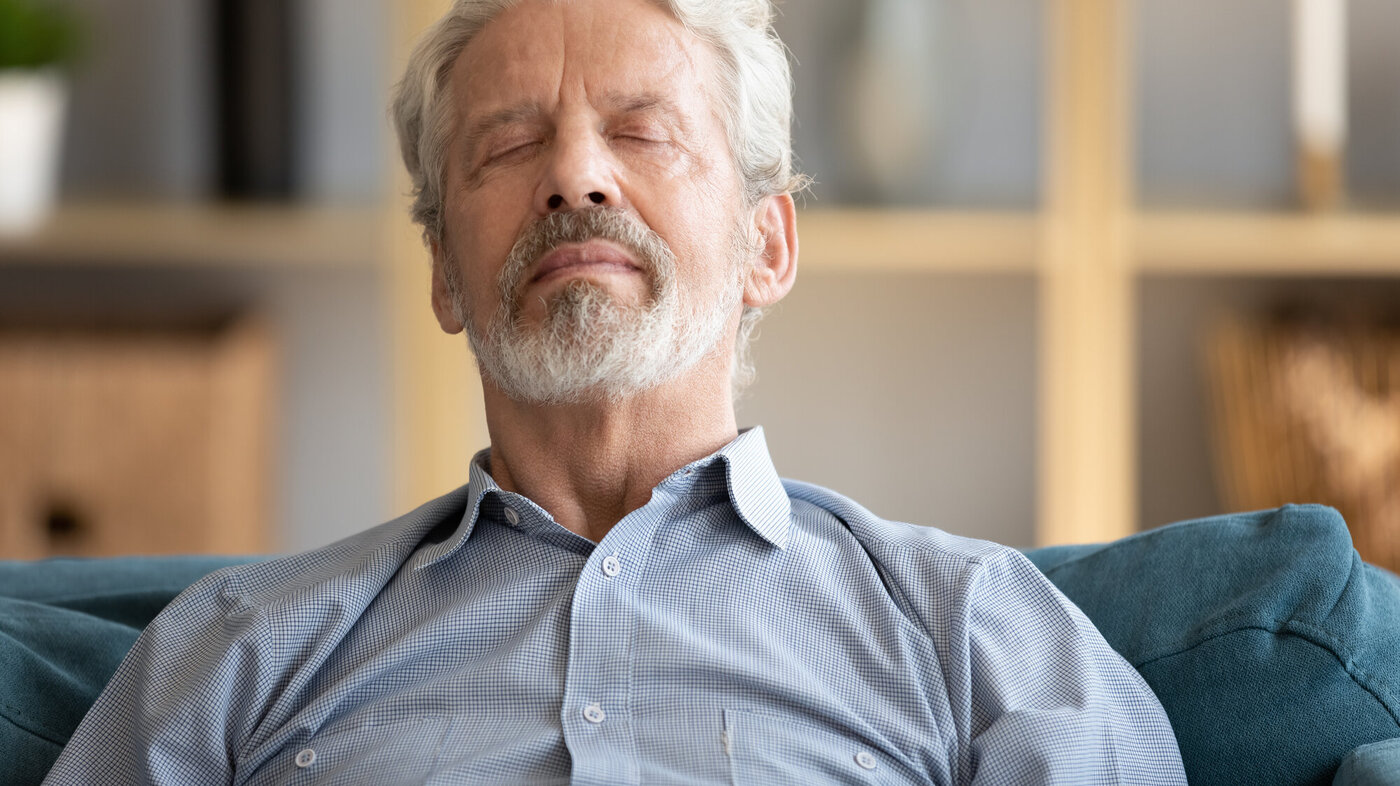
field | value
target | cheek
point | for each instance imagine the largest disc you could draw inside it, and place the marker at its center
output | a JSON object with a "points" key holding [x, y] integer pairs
{"points": [[705, 253], [484, 238]]}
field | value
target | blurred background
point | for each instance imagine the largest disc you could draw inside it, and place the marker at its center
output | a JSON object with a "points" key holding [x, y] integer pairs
{"points": [[1070, 269]]}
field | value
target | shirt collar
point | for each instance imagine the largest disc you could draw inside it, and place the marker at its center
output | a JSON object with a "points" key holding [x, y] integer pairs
{"points": [[479, 484], [755, 492]]}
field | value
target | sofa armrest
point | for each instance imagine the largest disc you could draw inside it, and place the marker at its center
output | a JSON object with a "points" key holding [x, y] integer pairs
{"points": [[1273, 648]]}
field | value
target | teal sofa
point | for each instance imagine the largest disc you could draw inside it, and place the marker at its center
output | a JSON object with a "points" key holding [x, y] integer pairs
{"points": [[1274, 649]]}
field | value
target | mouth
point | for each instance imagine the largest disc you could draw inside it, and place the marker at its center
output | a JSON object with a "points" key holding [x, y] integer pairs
{"points": [[593, 257]]}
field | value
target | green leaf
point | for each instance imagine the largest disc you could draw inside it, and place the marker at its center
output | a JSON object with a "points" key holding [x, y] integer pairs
{"points": [[36, 33]]}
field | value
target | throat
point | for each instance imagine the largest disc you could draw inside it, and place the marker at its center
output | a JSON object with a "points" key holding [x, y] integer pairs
{"points": [[590, 470]]}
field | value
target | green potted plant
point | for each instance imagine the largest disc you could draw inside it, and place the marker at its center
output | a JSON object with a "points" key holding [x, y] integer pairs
{"points": [[37, 40]]}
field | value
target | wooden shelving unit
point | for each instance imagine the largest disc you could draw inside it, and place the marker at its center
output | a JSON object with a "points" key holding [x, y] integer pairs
{"points": [[1087, 245]]}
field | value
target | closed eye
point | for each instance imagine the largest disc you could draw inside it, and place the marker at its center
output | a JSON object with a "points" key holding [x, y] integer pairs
{"points": [[640, 139], [512, 151]]}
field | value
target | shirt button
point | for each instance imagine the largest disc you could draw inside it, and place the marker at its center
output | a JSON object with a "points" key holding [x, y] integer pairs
{"points": [[866, 761], [512, 518], [306, 758], [594, 714], [611, 565]]}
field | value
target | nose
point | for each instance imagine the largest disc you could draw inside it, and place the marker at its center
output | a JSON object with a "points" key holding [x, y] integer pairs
{"points": [[580, 172]]}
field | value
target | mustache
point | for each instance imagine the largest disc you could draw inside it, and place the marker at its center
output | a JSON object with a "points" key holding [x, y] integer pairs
{"points": [[600, 222]]}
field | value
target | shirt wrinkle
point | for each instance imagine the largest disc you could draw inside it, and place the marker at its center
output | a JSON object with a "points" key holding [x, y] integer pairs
{"points": [[542, 661]]}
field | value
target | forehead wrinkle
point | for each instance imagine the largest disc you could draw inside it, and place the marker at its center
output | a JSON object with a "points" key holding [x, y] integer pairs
{"points": [[494, 62], [665, 49], [573, 37]]}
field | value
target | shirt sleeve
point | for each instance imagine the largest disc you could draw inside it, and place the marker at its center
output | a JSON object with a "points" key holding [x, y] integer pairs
{"points": [[1048, 701], [180, 701]]}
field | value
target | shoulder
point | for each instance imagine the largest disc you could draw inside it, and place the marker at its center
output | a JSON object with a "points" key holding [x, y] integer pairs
{"points": [[927, 570], [342, 571], [235, 639], [898, 543], [1038, 696]]}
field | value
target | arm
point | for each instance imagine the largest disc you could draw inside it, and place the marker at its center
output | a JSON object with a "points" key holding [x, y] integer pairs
{"points": [[1048, 700], [180, 701]]}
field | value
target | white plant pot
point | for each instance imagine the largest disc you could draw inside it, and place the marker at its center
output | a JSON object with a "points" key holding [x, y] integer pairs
{"points": [[32, 104]]}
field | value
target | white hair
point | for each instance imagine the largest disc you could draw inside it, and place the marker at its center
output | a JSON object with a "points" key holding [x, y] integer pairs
{"points": [[754, 93]]}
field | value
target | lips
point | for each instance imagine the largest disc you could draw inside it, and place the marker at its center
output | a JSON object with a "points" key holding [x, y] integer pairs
{"points": [[593, 255]]}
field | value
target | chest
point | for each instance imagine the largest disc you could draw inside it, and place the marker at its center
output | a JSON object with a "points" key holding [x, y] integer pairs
{"points": [[674, 662]]}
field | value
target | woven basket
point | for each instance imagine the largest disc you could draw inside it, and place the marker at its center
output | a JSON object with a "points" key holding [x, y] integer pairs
{"points": [[146, 442], [1307, 413]]}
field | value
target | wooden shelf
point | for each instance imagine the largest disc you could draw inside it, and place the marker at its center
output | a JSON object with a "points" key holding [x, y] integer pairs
{"points": [[870, 240], [1162, 242], [846, 239], [201, 235], [1283, 244]]}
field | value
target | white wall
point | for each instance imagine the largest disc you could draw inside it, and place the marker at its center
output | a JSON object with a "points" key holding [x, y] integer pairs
{"points": [[912, 394]]}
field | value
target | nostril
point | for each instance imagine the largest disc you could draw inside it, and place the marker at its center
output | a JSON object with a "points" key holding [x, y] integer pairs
{"points": [[597, 197], [556, 202]]}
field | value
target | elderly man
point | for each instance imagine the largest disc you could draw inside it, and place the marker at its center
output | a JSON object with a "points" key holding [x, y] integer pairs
{"points": [[624, 591]]}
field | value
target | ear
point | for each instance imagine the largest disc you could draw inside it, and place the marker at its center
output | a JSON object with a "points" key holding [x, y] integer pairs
{"points": [[772, 275], [442, 294]]}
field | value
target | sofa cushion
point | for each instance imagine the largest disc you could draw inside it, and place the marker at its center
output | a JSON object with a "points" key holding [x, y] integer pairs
{"points": [[65, 626], [1273, 648]]}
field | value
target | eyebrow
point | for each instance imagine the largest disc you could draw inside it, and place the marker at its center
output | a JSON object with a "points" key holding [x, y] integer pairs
{"points": [[633, 103], [642, 103], [484, 126]]}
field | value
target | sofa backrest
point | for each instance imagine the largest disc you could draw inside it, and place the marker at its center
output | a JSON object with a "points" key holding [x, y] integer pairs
{"points": [[1274, 650]]}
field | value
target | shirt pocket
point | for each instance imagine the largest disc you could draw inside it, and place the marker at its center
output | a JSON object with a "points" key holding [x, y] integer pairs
{"points": [[770, 750], [398, 752]]}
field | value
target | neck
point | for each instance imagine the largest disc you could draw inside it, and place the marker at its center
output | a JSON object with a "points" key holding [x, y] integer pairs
{"points": [[591, 464]]}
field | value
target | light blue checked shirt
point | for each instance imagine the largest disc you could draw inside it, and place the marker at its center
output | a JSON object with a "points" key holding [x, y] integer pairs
{"points": [[736, 629]]}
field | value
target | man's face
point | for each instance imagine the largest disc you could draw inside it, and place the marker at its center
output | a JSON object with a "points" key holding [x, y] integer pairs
{"points": [[593, 211]]}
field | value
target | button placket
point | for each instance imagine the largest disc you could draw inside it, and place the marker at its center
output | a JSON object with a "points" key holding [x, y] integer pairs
{"points": [[598, 720]]}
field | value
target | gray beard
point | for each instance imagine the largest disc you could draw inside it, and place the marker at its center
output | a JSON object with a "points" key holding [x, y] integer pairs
{"points": [[589, 347]]}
